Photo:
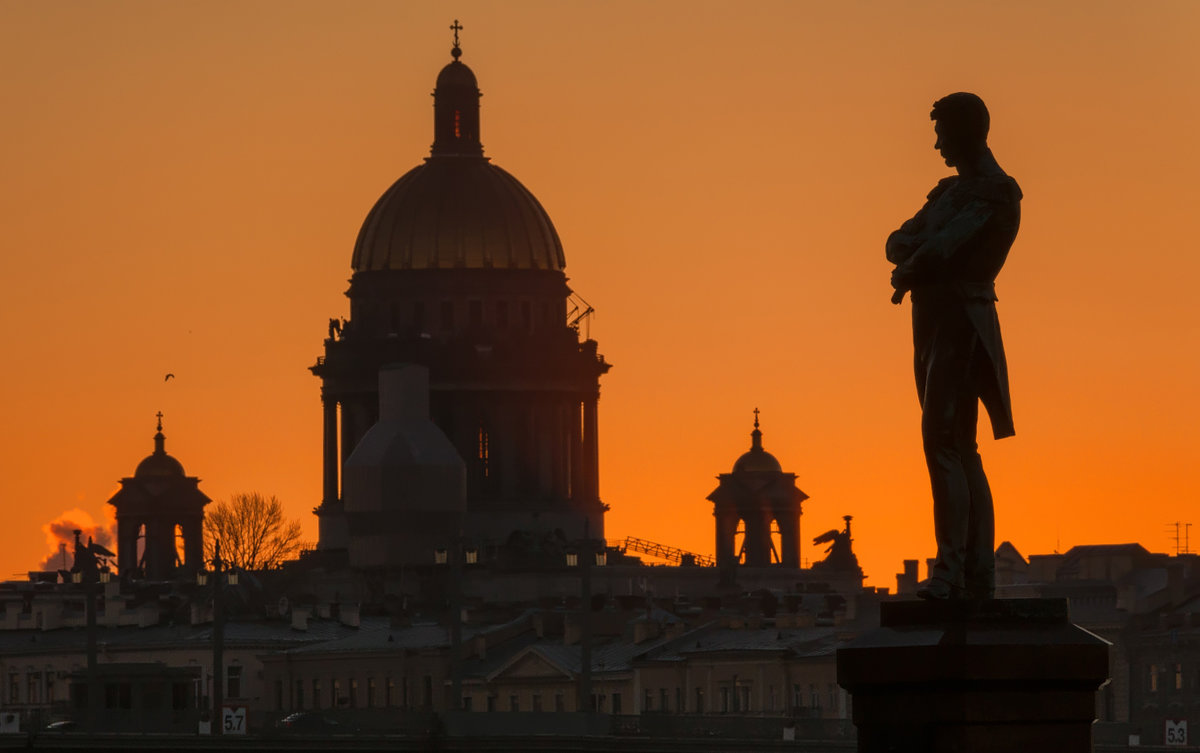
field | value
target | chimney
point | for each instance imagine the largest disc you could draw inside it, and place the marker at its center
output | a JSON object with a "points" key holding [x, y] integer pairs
{"points": [[906, 582], [403, 393]]}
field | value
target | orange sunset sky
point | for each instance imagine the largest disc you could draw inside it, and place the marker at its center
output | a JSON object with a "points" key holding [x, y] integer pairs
{"points": [[181, 185]]}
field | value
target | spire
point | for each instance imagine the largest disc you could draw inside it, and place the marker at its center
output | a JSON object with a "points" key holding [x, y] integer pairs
{"points": [[159, 439], [456, 108], [456, 51], [756, 435]]}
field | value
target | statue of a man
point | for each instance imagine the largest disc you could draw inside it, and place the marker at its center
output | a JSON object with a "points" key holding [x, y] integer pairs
{"points": [[948, 256]]}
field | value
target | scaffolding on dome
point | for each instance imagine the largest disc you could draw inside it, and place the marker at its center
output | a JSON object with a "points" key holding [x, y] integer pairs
{"points": [[672, 554]]}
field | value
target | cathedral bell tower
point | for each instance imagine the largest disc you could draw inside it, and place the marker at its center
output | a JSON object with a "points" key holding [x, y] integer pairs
{"points": [[458, 268], [757, 500], [160, 517]]}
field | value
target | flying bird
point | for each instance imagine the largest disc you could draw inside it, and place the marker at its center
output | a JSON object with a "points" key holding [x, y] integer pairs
{"points": [[168, 377]]}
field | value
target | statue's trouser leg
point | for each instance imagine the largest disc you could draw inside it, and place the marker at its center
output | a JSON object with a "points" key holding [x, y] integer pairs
{"points": [[962, 499]]}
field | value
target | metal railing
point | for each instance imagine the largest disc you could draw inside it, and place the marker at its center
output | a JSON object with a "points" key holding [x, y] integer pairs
{"points": [[669, 553]]}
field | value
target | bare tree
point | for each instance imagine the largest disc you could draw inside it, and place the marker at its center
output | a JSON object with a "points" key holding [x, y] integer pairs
{"points": [[253, 532]]}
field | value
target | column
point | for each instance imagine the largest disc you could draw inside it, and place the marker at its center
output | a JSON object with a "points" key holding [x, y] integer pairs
{"points": [[591, 450], [330, 451], [575, 448]]}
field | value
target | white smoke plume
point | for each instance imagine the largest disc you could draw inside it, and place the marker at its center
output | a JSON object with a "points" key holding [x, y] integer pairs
{"points": [[62, 529]]}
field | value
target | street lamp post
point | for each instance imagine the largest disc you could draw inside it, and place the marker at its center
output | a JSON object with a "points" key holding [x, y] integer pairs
{"points": [[454, 556], [88, 572], [592, 552], [220, 575], [218, 643]]}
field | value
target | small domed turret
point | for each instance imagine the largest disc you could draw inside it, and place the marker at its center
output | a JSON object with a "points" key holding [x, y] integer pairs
{"points": [[159, 463], [757, 459]]}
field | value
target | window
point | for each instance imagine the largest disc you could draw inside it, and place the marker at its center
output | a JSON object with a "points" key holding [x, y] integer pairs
{"points": [[370, 692], [663, 703], [770, 698], [475, 313], [33, 688], [679, 709], [699, 701], [316, 694], [389, 692], [616, 703], [560, 702], [49, 687], [514, 702], [419, 316], [14, 688], [299, 695], [797, 696], [353, 693], [279, 695], [814, 696], [648, 701], [483, 450], [233, 681], [501, 314], [466, 703], [724, 700], [1153, 678], [526, 316], [491, 703], [537, 701], [833, 699], [744, 698], [447, 316], [335, 693], [427, 691]]}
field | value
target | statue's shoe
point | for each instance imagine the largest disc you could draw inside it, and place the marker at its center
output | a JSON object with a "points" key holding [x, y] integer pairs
{"points": [[936, 589]]}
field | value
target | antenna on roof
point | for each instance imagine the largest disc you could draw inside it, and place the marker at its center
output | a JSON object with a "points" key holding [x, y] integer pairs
{"points": [[1181, 539]]}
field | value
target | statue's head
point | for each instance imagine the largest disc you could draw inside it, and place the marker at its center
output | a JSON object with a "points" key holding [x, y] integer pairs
{"points": [[961, 123]]}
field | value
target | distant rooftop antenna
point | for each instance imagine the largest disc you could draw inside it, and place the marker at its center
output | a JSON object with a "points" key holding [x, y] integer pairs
{"points": [[1179, 533]]}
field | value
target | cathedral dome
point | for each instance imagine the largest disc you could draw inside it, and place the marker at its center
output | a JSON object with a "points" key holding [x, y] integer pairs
{"points": [[457, 213]]}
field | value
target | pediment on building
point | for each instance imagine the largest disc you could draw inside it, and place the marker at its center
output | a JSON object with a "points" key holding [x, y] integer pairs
{"points": [[530, 664]]}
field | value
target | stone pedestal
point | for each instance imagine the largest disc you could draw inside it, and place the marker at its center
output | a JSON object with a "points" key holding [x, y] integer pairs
{"points": [[974, 676]]}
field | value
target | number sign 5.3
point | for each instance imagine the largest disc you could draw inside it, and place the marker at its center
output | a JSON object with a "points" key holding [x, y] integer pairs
{"points": [[1176, 732]]}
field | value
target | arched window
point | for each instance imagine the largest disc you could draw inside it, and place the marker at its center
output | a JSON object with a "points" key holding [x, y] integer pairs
{"points": [[140, 547], [739, 541]]}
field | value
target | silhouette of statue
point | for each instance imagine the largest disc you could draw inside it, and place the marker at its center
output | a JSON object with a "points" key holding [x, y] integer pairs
{"points": [[948, 256], [839, 555]]}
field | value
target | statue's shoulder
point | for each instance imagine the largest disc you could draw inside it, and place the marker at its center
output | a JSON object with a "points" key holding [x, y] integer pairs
{"points": [[999, 188], [943, 185]]}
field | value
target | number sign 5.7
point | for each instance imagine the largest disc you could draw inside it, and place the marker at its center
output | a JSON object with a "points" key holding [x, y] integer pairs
{"points": [[233, 720]]}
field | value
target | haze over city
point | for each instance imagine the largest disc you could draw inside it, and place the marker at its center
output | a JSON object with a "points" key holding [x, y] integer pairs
{"points": [[183, 184]]}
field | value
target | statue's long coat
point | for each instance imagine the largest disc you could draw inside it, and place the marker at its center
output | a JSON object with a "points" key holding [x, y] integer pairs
{"points": [[967, 227]]}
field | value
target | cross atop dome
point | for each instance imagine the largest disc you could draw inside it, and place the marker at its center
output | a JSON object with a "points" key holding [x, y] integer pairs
{"points": [[456, 27]]}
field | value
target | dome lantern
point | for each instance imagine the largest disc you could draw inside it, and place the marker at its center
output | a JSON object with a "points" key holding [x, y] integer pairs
{"points": [[456, 108]]}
